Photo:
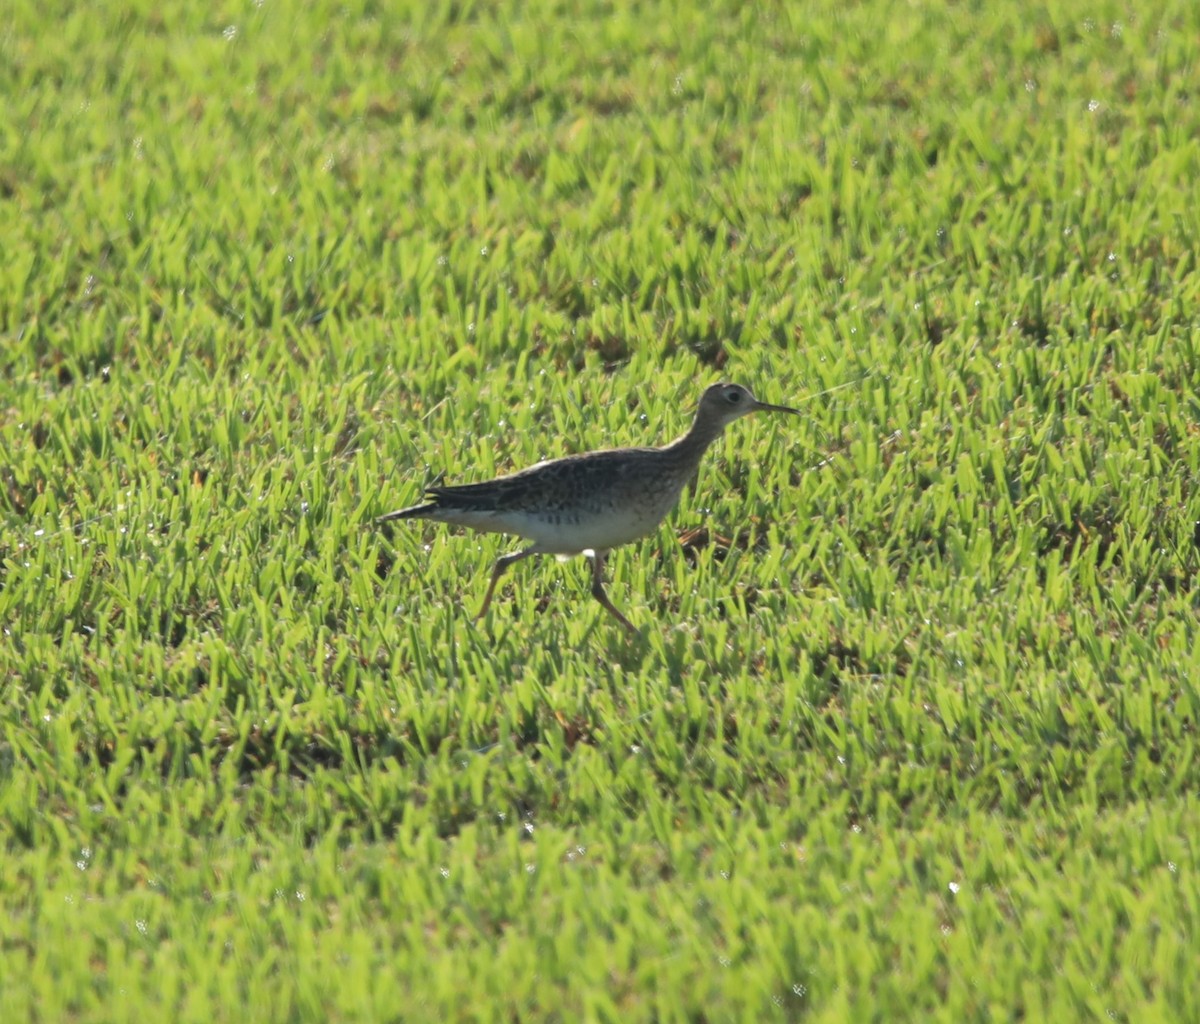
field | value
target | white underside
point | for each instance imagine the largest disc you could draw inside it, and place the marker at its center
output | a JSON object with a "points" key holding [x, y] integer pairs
{"points": [[585, 536]]}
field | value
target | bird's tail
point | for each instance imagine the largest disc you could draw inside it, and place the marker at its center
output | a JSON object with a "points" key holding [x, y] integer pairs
{"points": [[412, 512]]}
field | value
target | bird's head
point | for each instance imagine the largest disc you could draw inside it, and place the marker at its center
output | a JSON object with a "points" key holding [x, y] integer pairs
{"points": [[721, 404]]}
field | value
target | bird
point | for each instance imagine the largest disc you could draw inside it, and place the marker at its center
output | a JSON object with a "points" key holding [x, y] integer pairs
{"points": [[588, 503]]}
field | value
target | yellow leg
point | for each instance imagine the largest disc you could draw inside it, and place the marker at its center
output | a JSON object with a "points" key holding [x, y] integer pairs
{"points": [[599, 594], [502, 564]]}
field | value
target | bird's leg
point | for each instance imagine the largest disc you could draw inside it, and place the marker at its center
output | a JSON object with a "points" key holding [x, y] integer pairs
{"points": [[599, 594], [502, 563]]}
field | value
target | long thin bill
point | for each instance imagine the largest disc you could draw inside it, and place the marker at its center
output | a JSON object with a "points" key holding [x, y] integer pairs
{"points": [[768, 407]]}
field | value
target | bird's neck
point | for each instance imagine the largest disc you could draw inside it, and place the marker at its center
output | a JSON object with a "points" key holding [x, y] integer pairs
{"points": [[690, 448]]}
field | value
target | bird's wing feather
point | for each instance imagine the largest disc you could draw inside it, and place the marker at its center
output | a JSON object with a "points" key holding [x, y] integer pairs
{"points": [[514, 492], [488, 495]]}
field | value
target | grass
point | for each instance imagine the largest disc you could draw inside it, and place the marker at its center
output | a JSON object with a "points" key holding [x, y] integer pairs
{"points": [[910, 731]]}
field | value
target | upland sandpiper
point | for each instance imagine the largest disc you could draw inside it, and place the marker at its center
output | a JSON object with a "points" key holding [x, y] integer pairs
{"points": [[590, 503]]}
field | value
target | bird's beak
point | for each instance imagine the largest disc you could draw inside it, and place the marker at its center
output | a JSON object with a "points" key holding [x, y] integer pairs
{"points": [[768, 407]]}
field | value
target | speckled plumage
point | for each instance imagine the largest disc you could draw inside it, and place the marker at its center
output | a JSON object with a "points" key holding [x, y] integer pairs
{"points": [[592, 502]]}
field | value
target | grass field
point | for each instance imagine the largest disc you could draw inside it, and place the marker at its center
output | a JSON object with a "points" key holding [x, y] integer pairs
{"points": [[910, 731]]}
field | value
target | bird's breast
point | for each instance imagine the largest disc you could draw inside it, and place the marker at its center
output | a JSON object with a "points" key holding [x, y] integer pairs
{"points": [[606, 519]]}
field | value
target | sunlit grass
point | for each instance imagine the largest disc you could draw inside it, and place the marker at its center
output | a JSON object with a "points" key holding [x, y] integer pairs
{"points": [[909, 730]]}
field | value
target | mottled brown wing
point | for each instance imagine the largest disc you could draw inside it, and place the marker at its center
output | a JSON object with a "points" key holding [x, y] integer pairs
{"points": [[544, 486]]}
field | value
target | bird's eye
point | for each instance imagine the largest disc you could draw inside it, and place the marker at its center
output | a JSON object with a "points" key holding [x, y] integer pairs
{"points": [[734, 396]]}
